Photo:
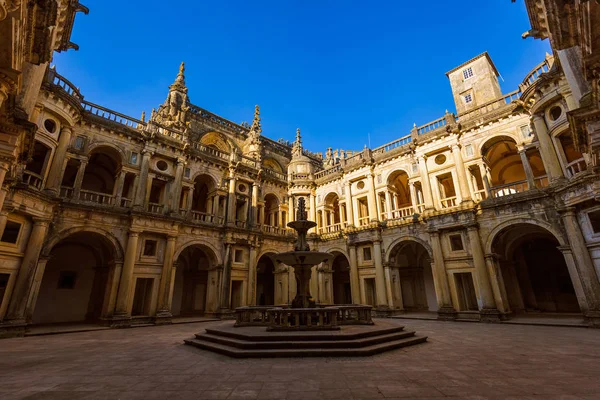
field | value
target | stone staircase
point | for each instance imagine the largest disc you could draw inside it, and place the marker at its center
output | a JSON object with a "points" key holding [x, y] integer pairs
{"points": [[350, 341]]}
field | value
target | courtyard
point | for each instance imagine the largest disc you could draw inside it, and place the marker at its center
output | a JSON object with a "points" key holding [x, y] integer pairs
{"points": [[459, 361]]}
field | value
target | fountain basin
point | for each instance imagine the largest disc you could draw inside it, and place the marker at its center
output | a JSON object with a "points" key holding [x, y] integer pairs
{"points": [[301, 259]]}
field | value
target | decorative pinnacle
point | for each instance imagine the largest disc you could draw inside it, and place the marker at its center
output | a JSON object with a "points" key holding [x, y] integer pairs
{"points": [[301, 213], [256, 121], [298, 137], [179, 83]]}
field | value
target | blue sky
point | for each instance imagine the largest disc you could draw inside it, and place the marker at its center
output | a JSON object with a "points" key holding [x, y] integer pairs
{"points": [[339, 70]]}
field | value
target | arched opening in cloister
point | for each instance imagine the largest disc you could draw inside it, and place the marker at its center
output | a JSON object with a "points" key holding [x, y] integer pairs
{"points": [[37, 166], [265, 281], [271, 211], [534, 271], [74, 283], [412, 278], [572, 158], [101, 172], [341, 279], [400, 203], [203, 186], [191, 289], [331, 218]]}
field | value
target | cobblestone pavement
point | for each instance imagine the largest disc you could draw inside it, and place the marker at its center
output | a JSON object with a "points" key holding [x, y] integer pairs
{"points": [[460, 360]]}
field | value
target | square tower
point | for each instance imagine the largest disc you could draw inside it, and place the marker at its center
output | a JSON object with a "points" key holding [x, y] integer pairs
{"points": [[474, 83]]}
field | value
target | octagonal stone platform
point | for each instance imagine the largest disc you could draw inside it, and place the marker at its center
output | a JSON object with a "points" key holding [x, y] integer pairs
{"points": [[350, 341]]}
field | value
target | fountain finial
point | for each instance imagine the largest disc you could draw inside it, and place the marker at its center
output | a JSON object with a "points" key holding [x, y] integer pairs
{"points": [[301, 213]]}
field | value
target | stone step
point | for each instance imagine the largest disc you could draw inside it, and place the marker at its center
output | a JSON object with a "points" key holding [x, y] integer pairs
{"points": [[264, 336], [284, 343], [298, 352]]}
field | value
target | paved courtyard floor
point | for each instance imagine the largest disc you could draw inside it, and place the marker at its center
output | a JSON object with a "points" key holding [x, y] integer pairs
{"points": [[460, 361]]}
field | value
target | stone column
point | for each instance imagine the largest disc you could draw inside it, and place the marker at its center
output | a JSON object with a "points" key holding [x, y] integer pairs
{"points": [[140, 195], [527, 167], [165, 280], [226, 281], [35, 288], [4, 166], [252, 276], [379, 276], [114, 277], [312, 212], [371, 199], [341, 213], [255, 188], [575, 279], [354, 278], [231, 199], [440, 279], [119, 187], [547, 151], [388, 285], [350, 206], [485, 178], [172, 286], [175, 195], [463, 185], [56, 167], [428, 198], [487, 309], [291, 211], [25, 277], [3, 221], [413, 196], [79, 178], [215, 206], [388, 204], [125, 287], [497, 281], [583, 262]]}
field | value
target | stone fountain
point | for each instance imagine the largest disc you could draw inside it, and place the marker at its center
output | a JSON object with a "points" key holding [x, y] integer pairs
{"points": [[305, 329]]}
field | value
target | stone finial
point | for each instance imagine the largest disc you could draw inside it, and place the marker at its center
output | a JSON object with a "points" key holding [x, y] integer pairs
{"points": [[256, 127], [179, 83], [143, 116]]}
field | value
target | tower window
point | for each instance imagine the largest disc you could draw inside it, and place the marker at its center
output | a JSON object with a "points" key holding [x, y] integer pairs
{"points": [[150, 248], [238, 256], [456, 243], [11, 232], [594, 217], [468, 98], [366, 254], [467, 73]]}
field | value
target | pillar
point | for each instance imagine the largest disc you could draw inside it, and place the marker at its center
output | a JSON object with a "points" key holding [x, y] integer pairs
{"points": [[413, 196], [226, 281], [574, 273], [583, 261], [254, 216], [252, 276], [35, 287], [3, 170], [547, 150], [119, 187], [371, 198], [23, 285], [114, 277], [215, 206], [231, 199], [175, 194], [79, 178], [3, 221], [425, 185], [485, 177], [354, 279], [497, 281], [388, 204], [164, 310], [527, 167], [140, 195], [388, 285], [350, 206], [379, 276], [487, 308], [56, 167], [440, 279], [312, 216], [461, 173], [122, 307], [291, 211]]}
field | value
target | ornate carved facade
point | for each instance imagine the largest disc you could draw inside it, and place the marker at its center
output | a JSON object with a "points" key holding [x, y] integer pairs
{"points": [[106, 218]]}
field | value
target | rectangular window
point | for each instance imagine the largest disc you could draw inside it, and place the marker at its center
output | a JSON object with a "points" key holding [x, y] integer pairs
{"points": [[467, 73], [187, 173], [66, 280], [594, 217], [149, 248], [238, 256], [469, 150], [366, 254], [456, 243], [468, 98], [11, 232], [79, 142], [142, 296], [133, 159]]}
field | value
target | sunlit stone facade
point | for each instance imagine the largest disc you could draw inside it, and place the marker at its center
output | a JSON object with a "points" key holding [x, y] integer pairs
{"points": [[106, 218]]}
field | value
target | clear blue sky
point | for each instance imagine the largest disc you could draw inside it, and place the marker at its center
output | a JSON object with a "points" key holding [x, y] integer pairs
{"points": [[336, 69]]}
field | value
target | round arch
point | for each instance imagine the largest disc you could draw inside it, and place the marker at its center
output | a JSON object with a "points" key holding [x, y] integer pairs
{"points": [[334, 250], [218, 141], [212, 252], [273, 164], [273, 194], [489, 242], [407, 238], [497, 138], [212, 177], [95, 147], [108, 237], [393, 172]]}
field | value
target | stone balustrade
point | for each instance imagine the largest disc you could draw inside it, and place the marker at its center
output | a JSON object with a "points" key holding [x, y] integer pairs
{"points": [[252, 316], [300, 319]]}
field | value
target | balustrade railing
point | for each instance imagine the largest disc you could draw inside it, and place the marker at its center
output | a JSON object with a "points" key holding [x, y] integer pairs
{"points": [[207, 115], [541, 181], [328, 171], [363, 221], [274, 174], [33, 179], [331, 228], [535, 74], [63, 83], [480, 195], [66, 192], [403, 212], [207, 218], [252, 316], [293, 319], [125, 202], [240, 224], [393, 145], [448, 202], [354, 314], [111, 115], [576, 167], [509, 189], [96, 197], [431, 126], [155, 208], [276, 230], [420, 208]]}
